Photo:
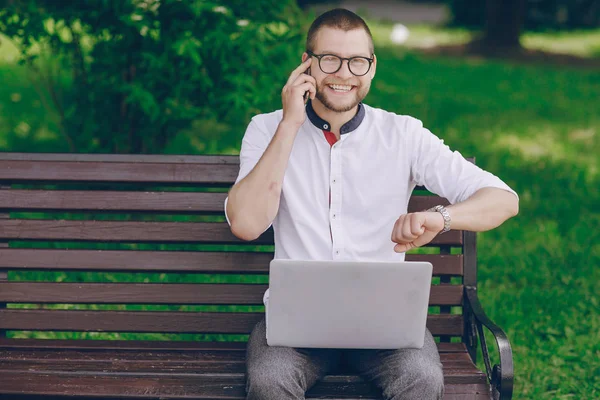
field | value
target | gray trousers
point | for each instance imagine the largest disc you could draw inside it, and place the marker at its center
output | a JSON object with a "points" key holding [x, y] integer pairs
{"points": [[282, 373]]}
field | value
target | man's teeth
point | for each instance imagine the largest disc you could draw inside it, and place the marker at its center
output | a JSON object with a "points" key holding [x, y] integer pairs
{"points": [[341, 88]]}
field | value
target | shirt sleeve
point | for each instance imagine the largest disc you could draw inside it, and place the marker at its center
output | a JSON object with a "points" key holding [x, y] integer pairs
{"points": [[255, 142], [443, 171]]}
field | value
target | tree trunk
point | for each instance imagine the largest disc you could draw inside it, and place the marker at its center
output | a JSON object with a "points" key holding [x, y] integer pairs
{"points": [[504, 22]]}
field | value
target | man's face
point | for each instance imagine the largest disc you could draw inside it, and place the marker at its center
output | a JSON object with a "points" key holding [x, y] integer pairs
{"points": [[341, 91]]}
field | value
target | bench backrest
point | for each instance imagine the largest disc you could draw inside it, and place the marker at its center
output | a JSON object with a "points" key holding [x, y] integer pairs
{"points": [[130, 245]]}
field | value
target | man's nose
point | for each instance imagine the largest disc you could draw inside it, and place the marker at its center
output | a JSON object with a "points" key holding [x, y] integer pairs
{"points": [[344, 71]]}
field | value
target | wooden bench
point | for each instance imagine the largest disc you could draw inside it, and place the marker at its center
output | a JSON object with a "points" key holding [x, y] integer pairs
{"points": [[85, 240]]}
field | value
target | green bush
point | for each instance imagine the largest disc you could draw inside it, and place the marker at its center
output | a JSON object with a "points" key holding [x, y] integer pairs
{"points": [[128, 76]]}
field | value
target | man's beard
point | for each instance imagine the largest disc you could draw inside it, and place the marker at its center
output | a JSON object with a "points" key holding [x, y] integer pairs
{"points": [[360, 94]]}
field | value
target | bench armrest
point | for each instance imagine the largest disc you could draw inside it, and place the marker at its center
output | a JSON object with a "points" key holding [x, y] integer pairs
{"points": [[500, 376]]}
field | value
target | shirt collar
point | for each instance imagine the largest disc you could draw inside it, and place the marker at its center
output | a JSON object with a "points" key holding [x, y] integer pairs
{"points": [[326, 126]]}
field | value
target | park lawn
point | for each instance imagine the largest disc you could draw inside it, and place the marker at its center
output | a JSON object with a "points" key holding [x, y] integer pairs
{"points": [[535, 127]]}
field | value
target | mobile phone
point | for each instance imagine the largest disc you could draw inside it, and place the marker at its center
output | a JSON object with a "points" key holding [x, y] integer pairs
{"points": [[307, 93]]}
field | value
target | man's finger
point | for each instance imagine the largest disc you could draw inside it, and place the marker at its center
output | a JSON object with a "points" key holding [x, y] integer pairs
{"points": [[303, 78], [299, 70], [424, 239], [421, 240], [397, 232], [393, 235], [407, 235], [307, 87], [403, 248], [416, 225]]}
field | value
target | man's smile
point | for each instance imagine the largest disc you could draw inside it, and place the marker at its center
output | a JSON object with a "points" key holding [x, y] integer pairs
{"points": [[341, 89]]}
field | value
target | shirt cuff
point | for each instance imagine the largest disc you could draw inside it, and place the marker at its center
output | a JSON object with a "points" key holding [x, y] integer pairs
{"points": [[225, 208]]}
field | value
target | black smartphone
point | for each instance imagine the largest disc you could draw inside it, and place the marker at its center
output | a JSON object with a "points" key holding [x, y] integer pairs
{"points": [[307, 93]]}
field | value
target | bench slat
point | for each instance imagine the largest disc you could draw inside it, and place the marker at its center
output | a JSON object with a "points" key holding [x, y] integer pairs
{"points": [[165, 322], [134, 293], [168, 366], [157, 293], [116, 231], [148, 261], [141, 357], [98, 200], [128, 321], [231, 386], [214, 160], [452, 360], [125, 201], [175, 261], [139, 346], [111, 231], [98, 171]]}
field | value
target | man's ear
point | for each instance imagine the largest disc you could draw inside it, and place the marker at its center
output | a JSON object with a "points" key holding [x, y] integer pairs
{"points": [[305, 56], [373, 66]]}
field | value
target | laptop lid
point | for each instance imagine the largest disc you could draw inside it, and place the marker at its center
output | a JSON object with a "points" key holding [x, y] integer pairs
{"points": [[348, 304]]}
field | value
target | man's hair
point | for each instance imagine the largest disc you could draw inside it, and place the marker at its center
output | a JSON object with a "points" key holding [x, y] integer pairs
{"points": [[338, 18]]}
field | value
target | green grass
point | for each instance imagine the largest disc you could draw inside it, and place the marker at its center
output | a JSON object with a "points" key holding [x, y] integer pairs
{"points": [[535, 127], [581, 43]]}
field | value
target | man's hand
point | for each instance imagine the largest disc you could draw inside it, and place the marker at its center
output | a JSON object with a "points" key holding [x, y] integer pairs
{"points": [[416, 229], [292, 94]]}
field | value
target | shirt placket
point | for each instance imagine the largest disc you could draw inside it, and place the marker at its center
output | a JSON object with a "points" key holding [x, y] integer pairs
{"points": [[335, 207]]}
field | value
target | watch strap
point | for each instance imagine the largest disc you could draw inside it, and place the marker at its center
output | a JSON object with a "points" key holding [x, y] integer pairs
{"points": [[445, 214]]}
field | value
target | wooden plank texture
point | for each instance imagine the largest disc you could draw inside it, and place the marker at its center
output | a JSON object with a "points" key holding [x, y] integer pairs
{"points": [[135, 293], [166, 365], [157, 293], [131, 385], [117, 231], [147, 261], [122, 231], [166, 322], [73, 357], [214, 160], [137, 346], [180, 370], [98, 171], [174, 261], [114, 201], [126, 201]]}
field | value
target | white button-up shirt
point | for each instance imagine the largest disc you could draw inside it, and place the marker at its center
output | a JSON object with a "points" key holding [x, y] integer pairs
{"points": [[370, 174]]}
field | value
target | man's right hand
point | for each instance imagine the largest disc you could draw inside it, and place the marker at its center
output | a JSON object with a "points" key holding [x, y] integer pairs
{"points": [[292, 95]]}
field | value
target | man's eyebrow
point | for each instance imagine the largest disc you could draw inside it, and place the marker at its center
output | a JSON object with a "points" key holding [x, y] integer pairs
{"points": [[336, 54]]}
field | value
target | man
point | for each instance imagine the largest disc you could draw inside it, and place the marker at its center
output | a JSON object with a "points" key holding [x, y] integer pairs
{"points": [[334, 177]]}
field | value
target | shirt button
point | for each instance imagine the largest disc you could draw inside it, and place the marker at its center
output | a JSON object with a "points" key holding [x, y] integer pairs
{"points": [[333, 216], [334, 181], [337, 252], [325, 126]]}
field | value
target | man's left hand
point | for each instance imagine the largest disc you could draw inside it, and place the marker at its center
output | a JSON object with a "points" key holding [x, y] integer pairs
{"points": [[416, 229]]}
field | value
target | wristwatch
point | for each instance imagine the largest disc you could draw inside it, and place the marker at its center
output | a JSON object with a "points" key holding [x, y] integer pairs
{"points": [[442, 210]]}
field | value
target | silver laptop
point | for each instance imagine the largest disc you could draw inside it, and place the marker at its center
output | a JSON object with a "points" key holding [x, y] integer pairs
{"points": [[348, 304]]}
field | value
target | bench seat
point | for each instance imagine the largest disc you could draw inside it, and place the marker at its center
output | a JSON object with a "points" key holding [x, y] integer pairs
{"points": [[180, 370]]}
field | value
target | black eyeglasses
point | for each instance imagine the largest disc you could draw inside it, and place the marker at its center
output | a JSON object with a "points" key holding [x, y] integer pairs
{"points": [[330, 63]]}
